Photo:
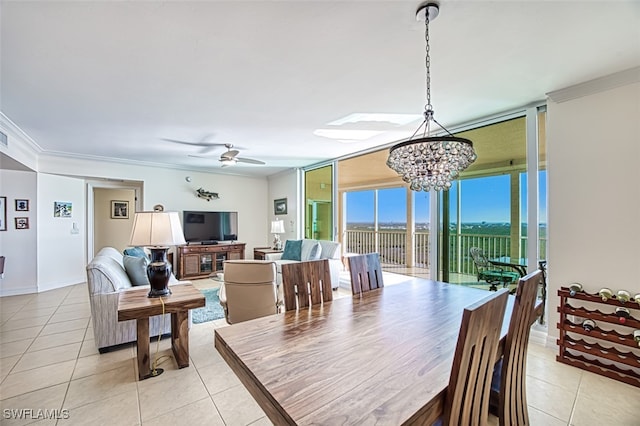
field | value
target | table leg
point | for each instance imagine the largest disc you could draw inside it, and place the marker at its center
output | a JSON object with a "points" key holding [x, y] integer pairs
{"points": [[180, 337], [142, 347]]}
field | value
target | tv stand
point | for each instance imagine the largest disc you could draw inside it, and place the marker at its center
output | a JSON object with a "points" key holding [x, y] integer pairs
{"points": [[200, 261]]}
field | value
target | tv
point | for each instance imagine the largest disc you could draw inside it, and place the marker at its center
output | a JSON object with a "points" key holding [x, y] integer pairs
{"points": [[210, 227]]}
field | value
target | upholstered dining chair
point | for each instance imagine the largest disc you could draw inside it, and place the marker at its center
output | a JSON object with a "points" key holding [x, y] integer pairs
{"points": [[249, 290], [306, 283], [508, 387], [467, 400], [366, 273]]}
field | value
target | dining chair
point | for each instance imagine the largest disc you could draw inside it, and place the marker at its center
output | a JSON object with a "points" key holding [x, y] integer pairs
{"points": [[467, 400], [306, 283], [249, 290], [366, 273], [490, 273], [508, 386]]}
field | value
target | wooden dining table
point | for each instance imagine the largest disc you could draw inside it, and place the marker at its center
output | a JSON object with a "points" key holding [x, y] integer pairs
{"points": [[383, 358]]}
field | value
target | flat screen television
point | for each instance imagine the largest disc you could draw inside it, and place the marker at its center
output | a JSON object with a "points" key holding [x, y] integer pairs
{"points": [[210, 226]]}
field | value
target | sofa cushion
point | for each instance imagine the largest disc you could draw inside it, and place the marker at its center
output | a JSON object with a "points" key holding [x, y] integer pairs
{"points": [[135, 251], [292, 250], [136, 268], [310, 250], [330, 250]]}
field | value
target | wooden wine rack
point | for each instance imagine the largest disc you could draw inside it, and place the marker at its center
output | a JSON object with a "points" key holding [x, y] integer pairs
{"points": [[604, 351]]}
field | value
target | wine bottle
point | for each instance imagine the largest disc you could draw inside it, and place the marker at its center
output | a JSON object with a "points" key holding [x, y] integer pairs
{"points": [[588, 325], [574, 288], [623, 296], [636, 337], [637, 298], [605, 293], [622, 314]]}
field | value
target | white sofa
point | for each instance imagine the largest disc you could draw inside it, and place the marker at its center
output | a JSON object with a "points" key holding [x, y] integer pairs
{"points": [[330, 250], [106, 278]]}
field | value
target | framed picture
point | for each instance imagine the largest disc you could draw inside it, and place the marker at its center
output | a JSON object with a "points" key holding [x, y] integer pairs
{"points": [[22, 223], [3, 213], [280, 206], [119, 209], [62, 209], [22, 205]]}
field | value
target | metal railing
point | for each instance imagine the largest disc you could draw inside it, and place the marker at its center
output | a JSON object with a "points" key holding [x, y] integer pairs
{"points": [[392, 247]]}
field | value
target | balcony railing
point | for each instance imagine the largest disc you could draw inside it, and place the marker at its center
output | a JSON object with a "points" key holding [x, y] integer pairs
{"points": [[392, 247]]}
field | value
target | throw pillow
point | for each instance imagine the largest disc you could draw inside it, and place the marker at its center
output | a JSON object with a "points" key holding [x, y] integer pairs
{"points": [[315, 252], [292, 250], [135, 251], [136, 268]]}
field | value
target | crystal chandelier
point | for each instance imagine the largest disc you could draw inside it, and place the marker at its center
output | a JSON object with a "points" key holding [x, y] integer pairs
{"points": [[430, 162]]}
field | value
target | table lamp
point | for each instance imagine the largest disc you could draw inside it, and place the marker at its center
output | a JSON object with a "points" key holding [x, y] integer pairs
{"points": [[157, 231], [277, 228]]}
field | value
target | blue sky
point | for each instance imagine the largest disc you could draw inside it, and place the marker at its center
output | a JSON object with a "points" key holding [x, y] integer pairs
{"points": [[483, 200]]}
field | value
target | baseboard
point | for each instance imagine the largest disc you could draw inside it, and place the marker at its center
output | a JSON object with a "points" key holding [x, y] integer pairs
{"points": [[17, 291]]}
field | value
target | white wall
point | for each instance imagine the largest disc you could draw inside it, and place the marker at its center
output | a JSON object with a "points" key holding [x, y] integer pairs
{"points": [[284, 185], [61, 256], [109, 232], [19, 246], [593, 146]]}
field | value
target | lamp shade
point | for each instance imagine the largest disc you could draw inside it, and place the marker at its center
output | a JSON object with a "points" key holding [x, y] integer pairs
{"points": [[277, 227], [156, 229]]}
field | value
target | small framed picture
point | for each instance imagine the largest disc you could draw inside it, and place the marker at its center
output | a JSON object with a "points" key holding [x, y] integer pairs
{"points": [[22, 223], [280, 206], [22, 205], [62, 209], [3, 213], [119, 209]]}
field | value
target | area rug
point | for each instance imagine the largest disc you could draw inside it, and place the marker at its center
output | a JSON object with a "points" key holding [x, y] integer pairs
{"points": [[212, 309]]}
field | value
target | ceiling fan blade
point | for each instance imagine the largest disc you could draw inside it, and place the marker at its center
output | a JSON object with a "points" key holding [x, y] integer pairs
{"points": [[193, 143], [249, 161], [230, 154]]}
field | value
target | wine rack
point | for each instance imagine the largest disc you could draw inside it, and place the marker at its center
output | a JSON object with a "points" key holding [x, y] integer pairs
{"points": [[609, 350]]}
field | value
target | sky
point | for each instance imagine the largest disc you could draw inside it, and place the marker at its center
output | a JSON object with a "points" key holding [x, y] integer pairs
{"points": [[483, 200]]}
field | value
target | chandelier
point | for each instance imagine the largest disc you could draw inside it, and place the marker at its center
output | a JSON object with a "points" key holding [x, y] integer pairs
{"points": [[430, 162]]}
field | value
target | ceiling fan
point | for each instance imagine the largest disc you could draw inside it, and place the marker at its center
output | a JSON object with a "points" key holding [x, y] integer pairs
{"points": [[231, 158]]}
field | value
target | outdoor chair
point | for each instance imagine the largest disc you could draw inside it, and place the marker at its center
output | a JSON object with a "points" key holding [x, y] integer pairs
{"points": [[306, 283], [366, 273], [492, 274]]}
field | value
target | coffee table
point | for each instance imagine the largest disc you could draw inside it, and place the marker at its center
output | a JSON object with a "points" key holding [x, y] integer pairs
{"points": [[136, 305]]}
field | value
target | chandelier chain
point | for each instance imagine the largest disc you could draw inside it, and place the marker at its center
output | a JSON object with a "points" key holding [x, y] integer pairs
{"points": [[428, 107]]}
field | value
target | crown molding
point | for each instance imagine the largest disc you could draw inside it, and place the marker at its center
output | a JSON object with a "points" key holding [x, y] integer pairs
{"points": [[611, 81], [13, 131]]}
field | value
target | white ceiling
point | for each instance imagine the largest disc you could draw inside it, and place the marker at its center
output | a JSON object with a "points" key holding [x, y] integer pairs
{"points": [[113, 79]]}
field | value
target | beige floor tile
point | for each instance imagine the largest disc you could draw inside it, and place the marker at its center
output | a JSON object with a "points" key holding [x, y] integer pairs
{"points": [[204, 355], [7, 364], [38, 378], [68, 316], [89, 334], [49, 356], [119, 409], [17, 347], [73, 307], [159, 397], [100, 386], [218, 378], [552, 371], [539, 418], [60, 327], [551, 399], [19, 324], [542, 351], [88, 348], [96, 364], [264, 421], [237, 406], [30, 313], [202, 413], [202, 334], [23, 333], [58, 339], [44, 399]]}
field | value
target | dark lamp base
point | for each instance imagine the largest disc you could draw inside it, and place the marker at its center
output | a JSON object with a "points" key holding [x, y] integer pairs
{"points": [[159, 271]]}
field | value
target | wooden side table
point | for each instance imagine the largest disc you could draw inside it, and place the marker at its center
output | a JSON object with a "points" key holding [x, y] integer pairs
{"points": [[259, 253], [136, 305]]}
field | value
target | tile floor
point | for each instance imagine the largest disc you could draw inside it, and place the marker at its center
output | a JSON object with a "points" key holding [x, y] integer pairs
{"points": [[48, 361]]}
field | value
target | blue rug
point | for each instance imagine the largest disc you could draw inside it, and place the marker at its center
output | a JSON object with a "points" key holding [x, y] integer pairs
{"points": [[211, 311]]}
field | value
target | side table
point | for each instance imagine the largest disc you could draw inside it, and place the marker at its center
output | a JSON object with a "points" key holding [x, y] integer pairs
{"points": [[136, 305], [259, 253]]}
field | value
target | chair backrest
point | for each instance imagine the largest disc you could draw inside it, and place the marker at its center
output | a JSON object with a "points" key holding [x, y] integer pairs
{"points": [[366, 273], [470, 382], [479, 258], [512, 406], [250, 289], [306, 283]]}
